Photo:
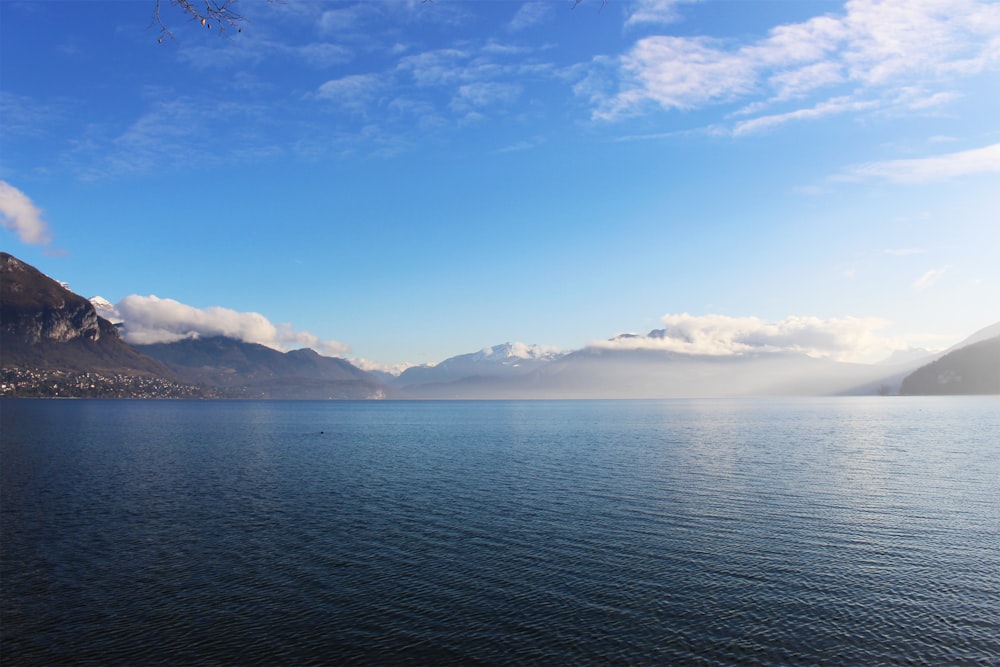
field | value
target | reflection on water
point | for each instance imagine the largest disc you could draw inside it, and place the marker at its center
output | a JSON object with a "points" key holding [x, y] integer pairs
{"points": [[822, 531]]}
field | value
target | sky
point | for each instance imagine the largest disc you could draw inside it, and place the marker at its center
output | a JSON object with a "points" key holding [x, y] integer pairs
{"points": [[398, 182]]}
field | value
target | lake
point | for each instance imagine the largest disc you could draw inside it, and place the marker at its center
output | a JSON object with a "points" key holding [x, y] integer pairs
{"points": [[715, 532]]}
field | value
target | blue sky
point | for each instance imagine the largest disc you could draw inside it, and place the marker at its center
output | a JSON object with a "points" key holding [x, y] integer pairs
{"points": [[399, 181]]}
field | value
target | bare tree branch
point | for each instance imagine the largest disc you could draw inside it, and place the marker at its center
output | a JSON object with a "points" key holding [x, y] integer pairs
{"points": [[220, 13], [577, 2]]}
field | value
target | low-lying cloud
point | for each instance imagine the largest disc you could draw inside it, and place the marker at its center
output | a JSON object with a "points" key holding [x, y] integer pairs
{"points": [[150, 319], [843, 339]]}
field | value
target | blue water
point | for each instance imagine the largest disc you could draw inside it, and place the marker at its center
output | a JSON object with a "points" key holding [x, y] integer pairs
{"points": [[760, 532]]}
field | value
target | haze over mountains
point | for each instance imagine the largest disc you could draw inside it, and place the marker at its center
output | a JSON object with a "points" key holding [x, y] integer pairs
{"points": [[45, 327]]}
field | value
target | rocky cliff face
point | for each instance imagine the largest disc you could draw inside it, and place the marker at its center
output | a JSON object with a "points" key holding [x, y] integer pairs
{"points": [[44, 326], [37, 308]]}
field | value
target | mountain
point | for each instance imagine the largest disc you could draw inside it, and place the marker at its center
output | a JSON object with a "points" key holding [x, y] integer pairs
{"points": [[44, 327], [971, 369], [506, 360], [49, 332], [599, 373], [55, 344], [250, 370]]}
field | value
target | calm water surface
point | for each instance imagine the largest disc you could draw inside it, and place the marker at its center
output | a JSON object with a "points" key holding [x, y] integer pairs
{"points": [[768, 532]]}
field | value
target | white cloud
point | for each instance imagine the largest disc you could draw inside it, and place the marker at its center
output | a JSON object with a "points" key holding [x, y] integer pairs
{"points": [[321, 54], [150, 319], [353, 92], [929, 169], [370, 365], [877, 48], [435, 68], [929, 278], [172, 131], [346, 18], [797, 82], [655, 11], [19, 214], [238, 53], [844, 339], [484, 94], [827, 108], [680, 73], [522, 145], [530, 14]]}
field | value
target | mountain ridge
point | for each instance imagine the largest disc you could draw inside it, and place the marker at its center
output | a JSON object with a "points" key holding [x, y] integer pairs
{"points": [[46, 328], [966, 370], [251, 370]]}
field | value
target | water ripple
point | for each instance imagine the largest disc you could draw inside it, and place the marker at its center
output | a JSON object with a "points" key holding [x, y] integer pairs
{"points": [[635, 533]]}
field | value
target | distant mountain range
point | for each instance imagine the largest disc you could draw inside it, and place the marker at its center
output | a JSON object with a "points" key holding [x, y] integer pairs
{"points": [[500, 362], [248, 370], [595, 373], [47, 329]]}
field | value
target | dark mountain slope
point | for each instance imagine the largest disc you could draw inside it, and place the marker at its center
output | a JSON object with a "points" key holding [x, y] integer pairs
{"points": [[973, 369], [45, 327], [256, 371]]}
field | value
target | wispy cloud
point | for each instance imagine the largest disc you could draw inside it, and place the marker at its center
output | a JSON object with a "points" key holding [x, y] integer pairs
{"points": [[679, 73], [230, 54], [530, 14], [174, 131], [150, 319], [354, 92], [945, 167], [865, 57], [844, 339], [929, 278], [347, 18], [654, 11], [439, 87], [20, 215], [522, 145], [484, 94], [25, 117], [829, 107], [902, 252]]}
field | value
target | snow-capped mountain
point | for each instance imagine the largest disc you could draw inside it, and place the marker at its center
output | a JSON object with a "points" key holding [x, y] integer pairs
{"points": [[498, 361], [105, 309], [511, 354]]}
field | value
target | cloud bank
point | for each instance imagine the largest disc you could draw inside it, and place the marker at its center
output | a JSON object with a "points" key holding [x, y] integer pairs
{"points": [[844, 339], [20, 215], [150, 319]]}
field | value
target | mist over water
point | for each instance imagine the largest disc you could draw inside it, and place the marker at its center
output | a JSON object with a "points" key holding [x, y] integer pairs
{"points": [[749, 531]]}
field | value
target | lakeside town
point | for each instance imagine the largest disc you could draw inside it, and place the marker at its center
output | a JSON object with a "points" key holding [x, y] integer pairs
{"points": [[26, 383]]}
